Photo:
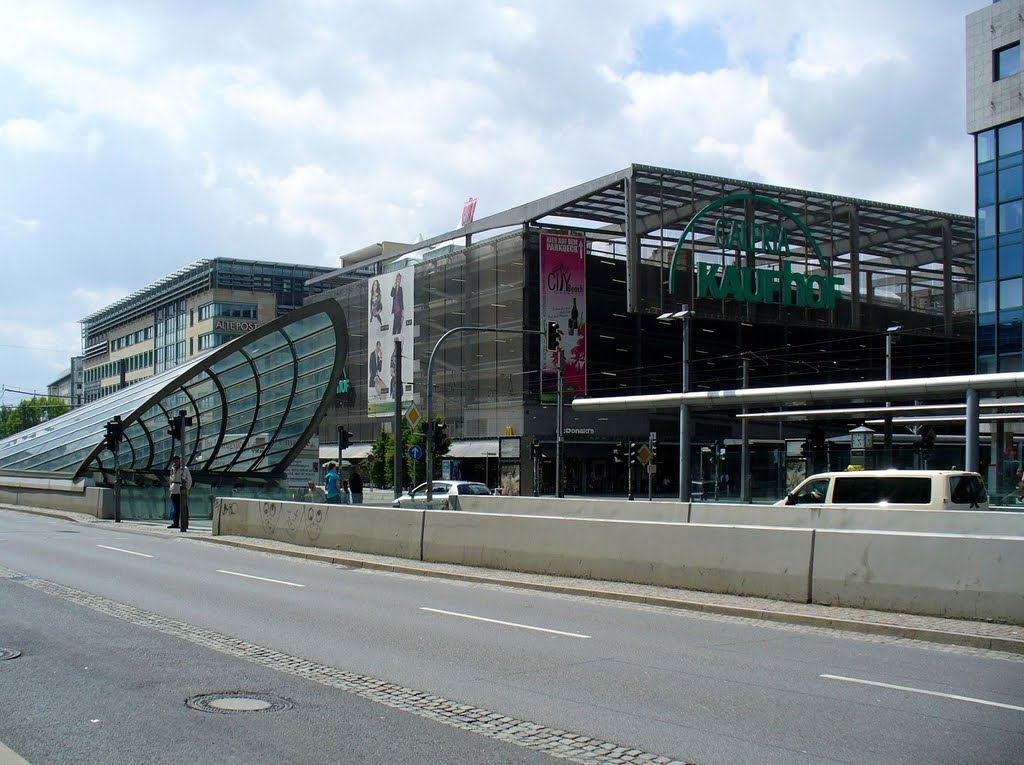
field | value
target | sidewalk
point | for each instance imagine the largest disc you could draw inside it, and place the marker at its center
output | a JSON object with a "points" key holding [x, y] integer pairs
{"points": [[959, 632]]}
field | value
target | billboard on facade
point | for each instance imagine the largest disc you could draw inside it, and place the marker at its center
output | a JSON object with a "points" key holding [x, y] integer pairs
{"points": [[563, 300], [390, 308]]}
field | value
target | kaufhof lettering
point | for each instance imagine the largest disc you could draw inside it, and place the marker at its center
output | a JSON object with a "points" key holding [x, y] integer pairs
{"points": [[766, 285]]}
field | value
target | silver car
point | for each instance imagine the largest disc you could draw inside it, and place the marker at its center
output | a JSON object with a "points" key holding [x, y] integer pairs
{"points": [[444, 495]]}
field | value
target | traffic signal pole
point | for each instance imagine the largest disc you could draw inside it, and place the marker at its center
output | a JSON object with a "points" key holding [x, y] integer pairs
{"points": [[560, 434], [430, 386]]}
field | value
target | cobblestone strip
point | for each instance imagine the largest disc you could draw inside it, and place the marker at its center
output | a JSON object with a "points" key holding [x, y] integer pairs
{"points": [[562, 744]]}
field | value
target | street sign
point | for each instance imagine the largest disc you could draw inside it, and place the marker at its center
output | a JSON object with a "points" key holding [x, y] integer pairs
{"points": [[413, 416], [644, 454], [416, 452]]}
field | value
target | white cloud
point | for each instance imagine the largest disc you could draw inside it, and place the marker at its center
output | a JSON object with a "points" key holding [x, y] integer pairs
{"points": [[22, 134], [157, 134]]}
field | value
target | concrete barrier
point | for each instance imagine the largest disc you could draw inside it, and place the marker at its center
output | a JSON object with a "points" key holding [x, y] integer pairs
{"points": [[964, 577], [57, 494], [760, 561], [982, 522], [578, 507], [360, 528]]}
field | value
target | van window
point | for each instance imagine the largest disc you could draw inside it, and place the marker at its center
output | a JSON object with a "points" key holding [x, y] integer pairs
{"points": [[867, 490], [966, 490]]}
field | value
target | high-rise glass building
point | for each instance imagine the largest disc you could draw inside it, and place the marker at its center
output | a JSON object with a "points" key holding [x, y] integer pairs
{"points": [[995, 117]]}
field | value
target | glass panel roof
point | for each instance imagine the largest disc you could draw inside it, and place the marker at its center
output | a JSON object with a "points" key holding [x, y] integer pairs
{"points": [[253, 403]]}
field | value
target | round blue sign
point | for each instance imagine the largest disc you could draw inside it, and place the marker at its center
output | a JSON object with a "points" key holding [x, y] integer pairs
{"points": [[416, 452]]}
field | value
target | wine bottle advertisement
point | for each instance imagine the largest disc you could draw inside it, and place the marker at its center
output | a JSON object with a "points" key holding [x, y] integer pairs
{"points": [[563, 299]]}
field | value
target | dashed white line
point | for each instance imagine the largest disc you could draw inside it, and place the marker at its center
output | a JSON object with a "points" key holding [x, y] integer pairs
{"points": [[507, 624], [261, 578], [128, 552], [924, 692]]}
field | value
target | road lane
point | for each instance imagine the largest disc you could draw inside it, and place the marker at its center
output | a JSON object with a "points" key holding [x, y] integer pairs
{"points": [[710, 688]]}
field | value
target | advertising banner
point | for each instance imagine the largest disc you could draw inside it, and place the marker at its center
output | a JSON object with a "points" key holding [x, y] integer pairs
{"points": [[563, 299], [390, 308]]}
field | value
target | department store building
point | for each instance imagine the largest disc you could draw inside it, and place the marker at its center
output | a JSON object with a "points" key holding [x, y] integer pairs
{"points": [[797, 286]]}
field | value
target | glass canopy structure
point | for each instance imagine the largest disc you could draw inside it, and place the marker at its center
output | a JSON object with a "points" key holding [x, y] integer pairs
{"points": [[254, 404]]}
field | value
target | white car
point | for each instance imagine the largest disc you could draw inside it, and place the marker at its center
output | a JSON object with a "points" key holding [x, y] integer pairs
{"points": [[444, 495]]}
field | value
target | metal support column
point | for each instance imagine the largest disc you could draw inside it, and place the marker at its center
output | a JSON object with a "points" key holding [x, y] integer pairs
{"points": [[971, 431]]}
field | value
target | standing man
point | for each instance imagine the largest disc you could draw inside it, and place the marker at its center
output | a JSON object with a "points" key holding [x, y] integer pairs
{"points": [[356, 485], [332, 483], [180, 478]]}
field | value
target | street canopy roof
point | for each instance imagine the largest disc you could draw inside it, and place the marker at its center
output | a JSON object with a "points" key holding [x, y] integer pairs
{"points": [[254, 403]]}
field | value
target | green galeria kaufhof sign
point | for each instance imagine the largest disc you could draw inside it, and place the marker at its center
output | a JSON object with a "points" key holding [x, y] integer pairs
{"points": [[758, 285]]}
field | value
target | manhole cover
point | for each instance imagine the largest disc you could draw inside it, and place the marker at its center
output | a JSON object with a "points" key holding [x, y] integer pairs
{"points": [[8, 653], [237, 702]]}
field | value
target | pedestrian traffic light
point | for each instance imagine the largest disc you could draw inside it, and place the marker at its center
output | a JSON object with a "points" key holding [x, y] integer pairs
{"points": [[552, 335], [114, 433]]}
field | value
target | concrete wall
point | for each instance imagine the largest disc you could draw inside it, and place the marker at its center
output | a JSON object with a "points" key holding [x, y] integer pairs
{"points": [[359, 528], [954, 576], [966, 576], [57, 494], [928, 521], [925, 521], [771, 563]]}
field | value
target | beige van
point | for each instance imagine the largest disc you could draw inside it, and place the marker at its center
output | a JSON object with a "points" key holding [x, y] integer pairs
{"points": [[896, 489]]}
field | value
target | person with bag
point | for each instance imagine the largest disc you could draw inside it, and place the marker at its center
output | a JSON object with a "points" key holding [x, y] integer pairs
{"points": [[180, 479]]}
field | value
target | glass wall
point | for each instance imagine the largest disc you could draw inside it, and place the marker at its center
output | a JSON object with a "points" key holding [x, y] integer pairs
{"points": [[1000, 208]]}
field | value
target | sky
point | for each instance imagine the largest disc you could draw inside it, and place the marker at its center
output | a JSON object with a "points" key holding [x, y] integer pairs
{"points": [[137, 137]]}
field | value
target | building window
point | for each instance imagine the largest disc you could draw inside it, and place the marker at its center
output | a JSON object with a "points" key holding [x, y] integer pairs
{"points": [[1006, 62], [228, 310], [1011, 216], [986, 146], [1010, 295], [1009, 139]]}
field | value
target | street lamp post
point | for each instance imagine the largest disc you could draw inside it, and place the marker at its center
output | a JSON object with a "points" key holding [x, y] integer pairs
{"points": [[887, 428], [684, 315]]}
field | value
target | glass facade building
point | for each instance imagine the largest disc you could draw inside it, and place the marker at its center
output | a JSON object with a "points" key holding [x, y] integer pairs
{"points": [[895, 266], [995, 117]]}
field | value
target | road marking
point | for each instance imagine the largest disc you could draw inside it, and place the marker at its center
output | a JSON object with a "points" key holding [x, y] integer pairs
{"points": [[926, 693], [129, 552], [261, 578], [507, 624]]}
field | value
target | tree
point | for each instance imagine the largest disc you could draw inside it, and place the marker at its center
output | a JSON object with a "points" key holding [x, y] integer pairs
{"points": [[28, 414], [382, 468]]}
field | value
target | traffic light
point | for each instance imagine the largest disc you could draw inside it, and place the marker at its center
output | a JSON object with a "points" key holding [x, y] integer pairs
{"points": [[619, 452], [175, 424], [552, 335], [114, 433], [535, 453], [634, 452], [345, 437], [440, 436], [928, 442], [653, 446]]}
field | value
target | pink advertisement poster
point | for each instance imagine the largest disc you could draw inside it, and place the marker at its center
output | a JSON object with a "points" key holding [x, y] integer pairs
{"points": [[563, 299]]}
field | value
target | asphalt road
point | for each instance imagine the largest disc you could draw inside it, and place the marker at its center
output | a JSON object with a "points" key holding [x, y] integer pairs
{"points": [[386, 667]]}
